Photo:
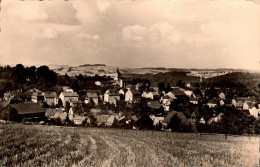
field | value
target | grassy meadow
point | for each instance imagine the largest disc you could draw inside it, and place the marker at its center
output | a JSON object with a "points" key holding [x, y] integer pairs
{"points": [[27, 145]]}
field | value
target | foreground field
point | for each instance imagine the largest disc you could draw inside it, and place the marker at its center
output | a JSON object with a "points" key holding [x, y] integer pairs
{"points": [[23, 145]]}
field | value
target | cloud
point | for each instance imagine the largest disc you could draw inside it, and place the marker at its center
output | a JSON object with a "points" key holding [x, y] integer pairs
{"points": [[46, 33], [158, 33], [27, 12], [85, 10], [103, 6], [133, 33], [87, 36]]}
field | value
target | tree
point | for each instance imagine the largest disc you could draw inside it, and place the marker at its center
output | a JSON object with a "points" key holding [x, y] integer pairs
{"points": [[168, 88], [161, 86], [67, 107], [180, 84], [175, 123]]}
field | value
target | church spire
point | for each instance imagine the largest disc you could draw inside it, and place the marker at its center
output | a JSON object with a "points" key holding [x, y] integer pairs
{"points": [[118, 72]]}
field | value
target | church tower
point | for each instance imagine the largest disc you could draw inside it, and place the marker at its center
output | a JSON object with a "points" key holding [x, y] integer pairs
{"points": [[117, 75]]}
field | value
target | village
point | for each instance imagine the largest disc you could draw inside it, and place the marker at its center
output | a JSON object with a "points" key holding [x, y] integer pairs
{"points": [[133, 105]]}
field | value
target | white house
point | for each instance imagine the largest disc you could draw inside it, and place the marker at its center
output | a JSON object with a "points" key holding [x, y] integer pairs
{"points": [[202, 120], [188, 93], [166, 102], [245, 106], [98, 83], [132, 95], [194, 100], [222, 103], [68, 96], [111, 96], [171, 95], [122, 91], [144, 94], [50, 98], [37, 97], [153, 95], [222, 96], [254, 112], [212, 103]]}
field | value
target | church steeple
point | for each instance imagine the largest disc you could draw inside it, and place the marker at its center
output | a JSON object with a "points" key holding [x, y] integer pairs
{"points": [[118, 72]]}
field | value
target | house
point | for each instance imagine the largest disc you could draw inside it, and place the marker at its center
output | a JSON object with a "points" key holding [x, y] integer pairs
{"points": [[26, 96], [188, 93], [67, 89], [37, 97], [99, 93], [155, 107], [234, 102], [112, 96], [74, 103], [221, 102], [239, 102], [202, 120], [122, 91], [98, 83], [154, 89], [8, 95], [68, 96], [169, 116], [21, 111], [34, 90], [110, 121], [139, 86], [212, 103], [91, 96], [132, 96], [144, 94], [123, 82], [153, 95], [248, 105], [166, 102], [4, 103], [192, 121], [254, 112], [157, 121], [79, 120], [51, 112], [134, 118], [222, 96], [188, 85], [194, 100], [178, 92], [195, 114], [215, 119], [50, 98]]}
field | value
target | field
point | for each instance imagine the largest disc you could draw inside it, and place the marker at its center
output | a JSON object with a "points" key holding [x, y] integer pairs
{"points": [[25, 145]]}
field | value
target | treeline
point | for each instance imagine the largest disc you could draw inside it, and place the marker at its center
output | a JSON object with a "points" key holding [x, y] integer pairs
{"points": [[169, 77], [25, 78], [245, 84]]}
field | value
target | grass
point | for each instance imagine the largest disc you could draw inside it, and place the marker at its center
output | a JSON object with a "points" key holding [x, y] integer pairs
{"points": [[24, 145]]}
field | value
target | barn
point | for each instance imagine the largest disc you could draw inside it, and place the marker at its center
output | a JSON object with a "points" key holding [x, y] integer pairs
{"points": [[17, 112]]}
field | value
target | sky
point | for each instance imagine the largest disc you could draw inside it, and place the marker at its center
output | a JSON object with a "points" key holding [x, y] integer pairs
{"points": [[132, 33]]}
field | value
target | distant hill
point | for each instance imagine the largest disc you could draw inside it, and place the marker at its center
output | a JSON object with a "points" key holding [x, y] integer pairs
{"points": [[86, 65]]}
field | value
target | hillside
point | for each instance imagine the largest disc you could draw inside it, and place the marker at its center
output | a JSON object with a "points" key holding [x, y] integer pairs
{"points": [[237, 79], [24, 145]]}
